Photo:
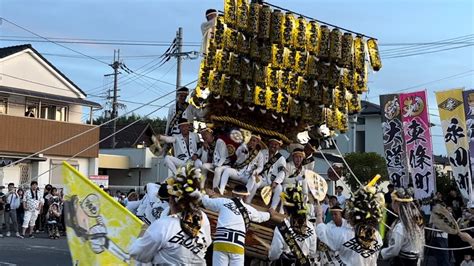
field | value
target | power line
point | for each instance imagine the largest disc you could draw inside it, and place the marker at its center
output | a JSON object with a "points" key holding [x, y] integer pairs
{"points": [[456, 40], [455, 76], [48, 40], [96, 43], [101, 40], [428, 52], [87, 131]]}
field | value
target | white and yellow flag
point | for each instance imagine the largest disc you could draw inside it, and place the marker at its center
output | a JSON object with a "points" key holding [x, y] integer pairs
{"points": [[99, 229]]}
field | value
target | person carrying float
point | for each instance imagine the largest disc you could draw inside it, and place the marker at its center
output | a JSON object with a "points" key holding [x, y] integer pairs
{"points": [[232, 225], [245, 165], [182, 237], [271, 174], [294, 240], [358, 245]]}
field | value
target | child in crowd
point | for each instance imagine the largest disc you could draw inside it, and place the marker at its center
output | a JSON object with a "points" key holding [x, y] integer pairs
{"points": [[467, 261], [52, 218]]}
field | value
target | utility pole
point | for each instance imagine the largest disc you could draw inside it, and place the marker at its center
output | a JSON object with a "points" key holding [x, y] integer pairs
{"points": [[115, 65], [179, 40]]}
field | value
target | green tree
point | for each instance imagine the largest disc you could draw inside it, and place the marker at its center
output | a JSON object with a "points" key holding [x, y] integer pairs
{"points": [[365, 166], [444, 183], [158, 124]]}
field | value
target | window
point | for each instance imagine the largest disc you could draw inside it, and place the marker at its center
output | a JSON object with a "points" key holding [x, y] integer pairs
{"points": [[54, 112], [31, 109], [3, 105], [360, 141]]}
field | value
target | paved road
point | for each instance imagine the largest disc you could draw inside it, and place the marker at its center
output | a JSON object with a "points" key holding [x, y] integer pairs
{"points": [[38, 251]]}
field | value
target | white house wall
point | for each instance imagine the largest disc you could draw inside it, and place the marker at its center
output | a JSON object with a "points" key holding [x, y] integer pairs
{"points": [[87, 167], [373, 135], [27, 65]]}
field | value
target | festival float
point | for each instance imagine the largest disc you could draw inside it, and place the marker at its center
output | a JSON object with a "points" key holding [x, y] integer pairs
{"points": [[277, 73]]}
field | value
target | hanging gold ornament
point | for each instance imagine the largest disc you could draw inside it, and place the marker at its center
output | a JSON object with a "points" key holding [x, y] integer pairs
{"points": [[277, 56], [292, 84], [283, 80], [276, 26], [334, 76], [234, 64], [271, 77], [283, 103], [374, 55], [289, 58], [222, 61], [243, 45], [313, 35], [210, 57], [335, 46], [226, 85], [254, 49], [324, 43], [346, 51], [307, 112], [295, 108], [258, 74], [219, 33], [231, 39], [237, 91], [300, 62], [311, 66], [271, 99], [203, 78], [245, 69], [214, 82], [266, 54], [299, 37], [323, 73], [230, 10], [242, 15], [359, 54], [260, 96], [264, 23], [287, 30], [302, 88], [253, 19], [249, 94]]}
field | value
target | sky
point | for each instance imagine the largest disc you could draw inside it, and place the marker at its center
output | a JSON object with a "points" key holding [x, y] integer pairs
{"points": [[393, 23]]}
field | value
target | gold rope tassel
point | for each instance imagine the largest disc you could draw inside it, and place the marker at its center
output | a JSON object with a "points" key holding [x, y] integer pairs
{"points": [[250, 127]]}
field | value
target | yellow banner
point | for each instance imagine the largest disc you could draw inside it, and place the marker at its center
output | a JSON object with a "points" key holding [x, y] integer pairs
{"points": [[453, 122], [99, 229]]}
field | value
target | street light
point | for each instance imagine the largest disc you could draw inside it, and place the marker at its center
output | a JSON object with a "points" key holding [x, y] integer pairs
{"points": [[353, 121]]}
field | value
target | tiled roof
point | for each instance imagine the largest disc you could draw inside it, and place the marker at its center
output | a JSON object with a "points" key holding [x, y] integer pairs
{"points": [[10, 50], [129, 137], [369, 108]]}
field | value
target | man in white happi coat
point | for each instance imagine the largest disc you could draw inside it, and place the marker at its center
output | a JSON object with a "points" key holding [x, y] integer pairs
{"points": [[294, 240], [232, 224], [207, 29], [359, 249], [185, 145], [176, 112], [182, 238], [246, 164], [326, 256], [213, 156], [272, 172]]}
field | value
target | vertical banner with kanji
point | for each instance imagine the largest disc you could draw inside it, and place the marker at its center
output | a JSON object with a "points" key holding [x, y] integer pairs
{"points": [[453, 122], [468, 97], [416, 128], [393, 141]]}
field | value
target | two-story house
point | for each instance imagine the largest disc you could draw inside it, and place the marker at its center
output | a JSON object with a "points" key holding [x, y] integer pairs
{"points": [[41, 107]]}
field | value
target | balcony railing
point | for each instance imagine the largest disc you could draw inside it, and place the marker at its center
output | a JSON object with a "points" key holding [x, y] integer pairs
{"points": [[30, 135]]}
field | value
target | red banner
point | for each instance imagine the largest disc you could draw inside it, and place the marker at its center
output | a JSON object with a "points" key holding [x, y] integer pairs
{"points": [[416, 127]]}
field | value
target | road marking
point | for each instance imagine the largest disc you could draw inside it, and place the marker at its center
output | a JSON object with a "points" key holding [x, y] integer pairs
{"points": [[7, 263], [54, 248]]}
